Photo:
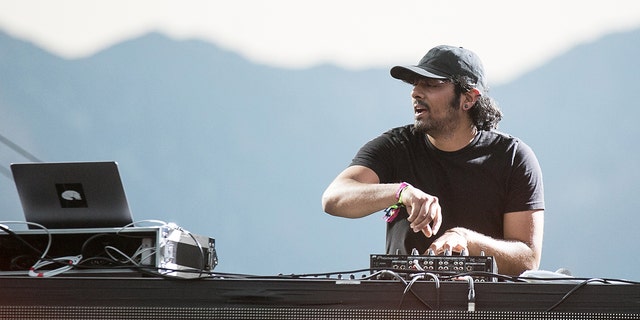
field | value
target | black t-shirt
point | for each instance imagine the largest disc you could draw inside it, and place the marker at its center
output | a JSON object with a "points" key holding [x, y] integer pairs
{"points": [[493, 175]]}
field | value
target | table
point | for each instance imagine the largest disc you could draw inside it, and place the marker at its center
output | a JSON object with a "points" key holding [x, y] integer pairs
{"points": [[281, 297]]}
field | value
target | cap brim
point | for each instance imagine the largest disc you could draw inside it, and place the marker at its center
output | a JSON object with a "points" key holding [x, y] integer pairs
{"points": [[410, 73]]}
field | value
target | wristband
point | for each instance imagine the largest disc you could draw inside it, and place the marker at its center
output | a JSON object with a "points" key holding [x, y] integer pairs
{"points": [[391, 212], [401, 188]]}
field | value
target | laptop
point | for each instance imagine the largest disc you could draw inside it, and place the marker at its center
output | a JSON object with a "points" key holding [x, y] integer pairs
{"points": [[65, 195]]}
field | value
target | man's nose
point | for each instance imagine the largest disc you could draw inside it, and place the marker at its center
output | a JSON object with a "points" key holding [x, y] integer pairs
{"points": [[417, 93]]}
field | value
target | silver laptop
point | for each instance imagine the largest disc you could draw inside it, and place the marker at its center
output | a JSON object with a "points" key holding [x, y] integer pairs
{"points": [[64, 195]]}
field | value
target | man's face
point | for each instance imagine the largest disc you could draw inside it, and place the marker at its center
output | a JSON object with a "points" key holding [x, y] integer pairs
{"points": [[436, 107]]}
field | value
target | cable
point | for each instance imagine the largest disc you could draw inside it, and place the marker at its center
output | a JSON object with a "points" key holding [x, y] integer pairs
{"points": [[142, 250], [572, 291], [471, 297], [477, 274], [124, 255], [419, 276], [71, 261], [325, 274], [172, 226], [43, 254], [401, 279], [202, 258], [159, 223]]}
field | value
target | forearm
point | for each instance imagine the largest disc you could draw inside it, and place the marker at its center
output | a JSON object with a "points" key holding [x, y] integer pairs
{"points": [[353, 199], [357, 192], [512, 256]]}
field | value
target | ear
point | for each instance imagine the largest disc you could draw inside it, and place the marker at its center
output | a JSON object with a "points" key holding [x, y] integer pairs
{"points": [[470, 97]]}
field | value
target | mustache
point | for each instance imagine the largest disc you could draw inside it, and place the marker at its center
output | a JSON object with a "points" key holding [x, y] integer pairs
{"points": [[419, 103]]}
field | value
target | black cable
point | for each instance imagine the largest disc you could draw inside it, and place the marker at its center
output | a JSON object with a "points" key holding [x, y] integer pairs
{"points": [[572, 291], [408, 288], [23, 241], [39, 256], [479, 274], [323, 274], [565, 279]]}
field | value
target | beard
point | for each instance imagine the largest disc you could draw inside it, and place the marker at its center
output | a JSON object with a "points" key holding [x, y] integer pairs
{"points": [[442, 126]]}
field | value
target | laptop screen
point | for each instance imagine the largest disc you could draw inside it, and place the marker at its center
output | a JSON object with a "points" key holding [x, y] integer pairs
{"points": [[62, 195]]}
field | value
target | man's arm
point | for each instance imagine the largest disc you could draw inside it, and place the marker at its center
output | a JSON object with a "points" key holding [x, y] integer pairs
{"points": [[520, 250], [356, 192]]}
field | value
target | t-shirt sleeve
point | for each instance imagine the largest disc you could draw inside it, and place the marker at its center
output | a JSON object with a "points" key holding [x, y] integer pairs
{"points": [[378, 155], [526, 191]]}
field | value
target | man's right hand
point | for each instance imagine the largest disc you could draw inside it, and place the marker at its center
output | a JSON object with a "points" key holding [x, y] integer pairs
{"points": [[424, 211]]}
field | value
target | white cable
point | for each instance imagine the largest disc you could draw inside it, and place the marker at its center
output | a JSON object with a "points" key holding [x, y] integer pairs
{"points": [[471, 297], [72, 261], [144, 253], [127, 258], [393, 274], [419, 276], [416, 264], [160, 223]]}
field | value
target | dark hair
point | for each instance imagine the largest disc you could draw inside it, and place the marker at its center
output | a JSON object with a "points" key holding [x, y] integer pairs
{"points": [[485, 113]]}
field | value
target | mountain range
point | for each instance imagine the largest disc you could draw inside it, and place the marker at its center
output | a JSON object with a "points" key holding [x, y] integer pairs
{"points": [[242, 152]]}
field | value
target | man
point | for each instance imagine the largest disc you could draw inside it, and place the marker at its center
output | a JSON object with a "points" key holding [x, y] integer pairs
{"points": [[450, 170]]}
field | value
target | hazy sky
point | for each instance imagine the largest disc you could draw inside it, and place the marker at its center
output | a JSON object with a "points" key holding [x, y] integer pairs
{"points": [[510, 36]]}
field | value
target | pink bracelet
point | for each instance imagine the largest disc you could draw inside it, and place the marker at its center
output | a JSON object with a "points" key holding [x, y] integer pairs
{"points": [[403, 186], [391, 212]]}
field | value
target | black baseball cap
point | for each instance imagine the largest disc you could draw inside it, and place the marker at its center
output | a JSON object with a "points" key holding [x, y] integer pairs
{"points": [[445, 62]]}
